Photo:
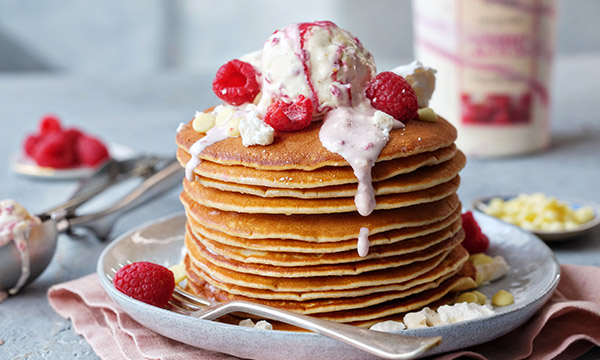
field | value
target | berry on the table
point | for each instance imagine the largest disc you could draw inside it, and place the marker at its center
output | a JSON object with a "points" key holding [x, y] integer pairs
{"points": [[53, 150], [392, 94], [90, 151], [235, 83], [147, 282], [294, 116], [475, 240], [49, 123]]}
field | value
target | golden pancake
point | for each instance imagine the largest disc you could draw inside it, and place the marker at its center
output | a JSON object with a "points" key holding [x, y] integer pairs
{"points": [[277, 258], [323, 283], [318, 227], [325, 176], [202, 254], [302, 150], [325, 305], [300, 246], [449, 266], [411, 303], [350, 309], [423, 178], [228, 201]]}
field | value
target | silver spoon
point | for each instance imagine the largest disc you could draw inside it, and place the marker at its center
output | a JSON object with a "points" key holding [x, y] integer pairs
{"points": [[160, 176]]}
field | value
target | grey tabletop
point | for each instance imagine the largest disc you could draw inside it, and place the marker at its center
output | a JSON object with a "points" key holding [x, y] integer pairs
{"points": [[142, 113]]}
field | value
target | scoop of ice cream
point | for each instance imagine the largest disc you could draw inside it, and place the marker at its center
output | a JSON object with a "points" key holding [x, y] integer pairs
{"points": [[421, 78], [318, 60], [13, 218]]}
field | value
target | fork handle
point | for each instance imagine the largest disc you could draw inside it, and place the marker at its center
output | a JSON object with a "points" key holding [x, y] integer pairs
{"points": [[386, 345]]}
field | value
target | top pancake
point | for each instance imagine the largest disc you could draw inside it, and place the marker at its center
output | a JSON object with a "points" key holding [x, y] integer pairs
{"points": [[303, 149]]}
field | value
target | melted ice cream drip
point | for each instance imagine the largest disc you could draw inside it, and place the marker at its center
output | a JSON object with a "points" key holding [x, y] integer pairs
{"points": [[363, 242], [351, 133], [215, 134]]}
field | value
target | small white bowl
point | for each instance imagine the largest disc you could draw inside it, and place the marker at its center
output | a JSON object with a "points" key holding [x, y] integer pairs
{"points": [[552, 236]]}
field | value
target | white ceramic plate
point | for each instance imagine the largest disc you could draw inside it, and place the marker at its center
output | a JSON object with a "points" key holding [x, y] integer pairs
{"points": [[533, 276], [552, 236], [24, 165]]}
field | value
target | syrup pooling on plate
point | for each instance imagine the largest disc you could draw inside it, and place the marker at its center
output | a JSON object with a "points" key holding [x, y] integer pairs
{"points": [[15, 224]]}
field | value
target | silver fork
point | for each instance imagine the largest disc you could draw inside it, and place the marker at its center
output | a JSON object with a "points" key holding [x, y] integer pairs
{"points": [[382, 344]]}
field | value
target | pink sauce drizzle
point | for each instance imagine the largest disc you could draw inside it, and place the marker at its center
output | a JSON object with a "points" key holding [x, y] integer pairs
{"points": [[363, 242], [215, 134], [350, 132]]}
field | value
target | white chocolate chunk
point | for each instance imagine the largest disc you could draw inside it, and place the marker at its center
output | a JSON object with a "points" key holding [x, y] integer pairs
{"points": [[254, 131], [383, 121], [388, 326]]}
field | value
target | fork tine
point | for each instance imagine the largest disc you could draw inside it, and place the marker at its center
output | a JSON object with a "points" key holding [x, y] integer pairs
{"points": [[186, 296], [182, 303]]}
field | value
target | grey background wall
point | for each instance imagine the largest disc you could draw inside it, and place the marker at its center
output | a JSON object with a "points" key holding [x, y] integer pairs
{"points": [[140, 36]]}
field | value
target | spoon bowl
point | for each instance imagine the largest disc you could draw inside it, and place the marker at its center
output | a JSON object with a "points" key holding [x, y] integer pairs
{"points": [[41, 245], [42, 238]]}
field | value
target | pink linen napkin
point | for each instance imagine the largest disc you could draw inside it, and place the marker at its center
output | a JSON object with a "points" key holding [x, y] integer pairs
{"points": [[566, 327]]}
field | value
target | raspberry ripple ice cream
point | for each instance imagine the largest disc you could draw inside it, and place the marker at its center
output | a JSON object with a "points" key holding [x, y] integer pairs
{"points": [[15, 224], [318, 60]]}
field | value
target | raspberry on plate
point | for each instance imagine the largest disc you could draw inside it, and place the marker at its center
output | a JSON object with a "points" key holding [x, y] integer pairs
{"points": [[475, 241], [392, 94], [235, 83], [290, 117], [90, 151], [147, 282], [49, 123], [61, 148], [53, 150]]}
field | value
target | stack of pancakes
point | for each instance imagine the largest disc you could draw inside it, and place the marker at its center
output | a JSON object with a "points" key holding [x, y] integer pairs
{"points": [[277, 224]]}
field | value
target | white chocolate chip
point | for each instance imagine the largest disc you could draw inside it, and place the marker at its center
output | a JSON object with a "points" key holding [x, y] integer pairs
{"points": [[427, 114], [232, 128], [247, 323], [388, 326], [224, 116], [203, 122]]}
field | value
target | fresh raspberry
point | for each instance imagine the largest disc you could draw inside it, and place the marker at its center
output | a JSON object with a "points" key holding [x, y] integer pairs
{"points": [[30, 144], [90, 151], [48, 124], [72, 135], [392, 94], [290, 117], [235, 83], [53, 150], [147, 282], [475, 241]]}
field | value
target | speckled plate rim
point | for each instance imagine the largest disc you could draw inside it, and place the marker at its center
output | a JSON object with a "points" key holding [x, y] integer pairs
{"points": [[533, 276], [551, 236]]}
